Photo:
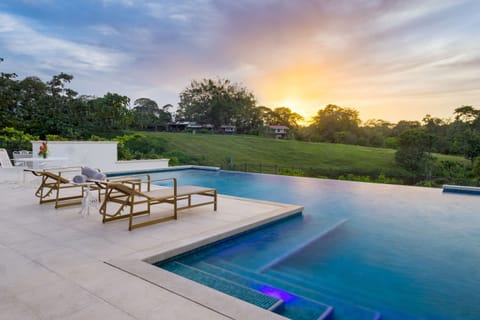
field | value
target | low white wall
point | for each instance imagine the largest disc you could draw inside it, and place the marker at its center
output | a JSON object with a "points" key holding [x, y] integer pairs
{"points": [[138, 165], [96, 154]]}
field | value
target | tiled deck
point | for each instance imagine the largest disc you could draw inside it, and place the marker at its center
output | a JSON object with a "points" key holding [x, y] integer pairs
{"points": [[57, 264]]}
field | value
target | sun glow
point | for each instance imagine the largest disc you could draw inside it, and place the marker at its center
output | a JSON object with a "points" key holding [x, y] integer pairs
{"points": [[296, 86]]}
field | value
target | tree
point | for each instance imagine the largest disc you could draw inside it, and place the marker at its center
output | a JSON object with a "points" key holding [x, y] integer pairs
{"points": [[404, 125], [374, 132], [148, 116], [412, 153], [437, 128], [111, 112], [467, 134], [216, 102], [8, 98], [466, 114], [265, 115], [283, 116], [336, 124], [146, 113], [32, 105]]}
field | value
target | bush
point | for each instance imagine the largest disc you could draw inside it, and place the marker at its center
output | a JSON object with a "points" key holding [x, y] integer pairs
{"points": [[179, 157], [352, 177], [476, 167], [391, 143], [12, 139], [291, 172], [138, 146]]}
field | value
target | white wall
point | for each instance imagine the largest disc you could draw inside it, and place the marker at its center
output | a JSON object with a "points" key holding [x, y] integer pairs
{"points": [[139, 165], [96, 154]]}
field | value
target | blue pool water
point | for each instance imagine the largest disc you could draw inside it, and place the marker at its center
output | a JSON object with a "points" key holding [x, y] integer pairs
{"points": [[365, 250]]}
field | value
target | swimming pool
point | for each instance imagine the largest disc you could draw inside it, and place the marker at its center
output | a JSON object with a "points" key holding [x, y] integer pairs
{"points": [[363, 249]]}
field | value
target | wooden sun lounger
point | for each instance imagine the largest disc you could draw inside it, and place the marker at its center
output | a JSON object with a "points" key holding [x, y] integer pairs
{"points": [[127, 196], [51, 187]]}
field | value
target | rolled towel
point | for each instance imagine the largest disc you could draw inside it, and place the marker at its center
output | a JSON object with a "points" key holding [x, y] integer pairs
{"points": [[80, 178], [99, 176], [89, 172]]}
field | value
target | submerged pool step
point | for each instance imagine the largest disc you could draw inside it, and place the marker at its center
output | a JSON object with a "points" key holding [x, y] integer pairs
{"points": [[223, 285], [311, 309], [343, 309], [301, 246]]}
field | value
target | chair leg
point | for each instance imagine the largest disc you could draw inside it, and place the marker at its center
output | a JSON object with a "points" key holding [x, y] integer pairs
{"points": [[215, 200]]}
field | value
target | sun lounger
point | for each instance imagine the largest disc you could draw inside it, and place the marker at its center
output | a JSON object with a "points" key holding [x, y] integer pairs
{"points": [[129, 197], [52, 187]]}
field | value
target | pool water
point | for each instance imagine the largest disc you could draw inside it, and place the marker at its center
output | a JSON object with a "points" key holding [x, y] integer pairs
{"points": [[359, 251]]}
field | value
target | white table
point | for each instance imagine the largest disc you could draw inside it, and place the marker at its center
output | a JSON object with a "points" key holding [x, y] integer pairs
{"points": [[42, 163], [89, 199]]}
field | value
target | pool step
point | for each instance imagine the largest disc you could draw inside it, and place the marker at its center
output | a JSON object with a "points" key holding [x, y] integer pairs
{"points": [[342, 309], [223, 285], [301, 246], [310, 309]]}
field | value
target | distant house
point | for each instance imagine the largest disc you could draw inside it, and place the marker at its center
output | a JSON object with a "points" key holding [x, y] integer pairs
{"points": [[189, 126], [177, 126], [227, 129], [279, 132]]}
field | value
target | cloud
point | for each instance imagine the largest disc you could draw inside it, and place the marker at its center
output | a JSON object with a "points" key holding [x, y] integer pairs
{"points": [[53, 53], [363, 53]]}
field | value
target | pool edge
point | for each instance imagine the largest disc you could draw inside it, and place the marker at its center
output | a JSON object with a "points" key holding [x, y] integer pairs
{"points": [[140, 265]]}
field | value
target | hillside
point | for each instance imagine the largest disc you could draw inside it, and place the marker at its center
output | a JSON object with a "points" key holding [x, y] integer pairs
{"points": [[325, 158]]}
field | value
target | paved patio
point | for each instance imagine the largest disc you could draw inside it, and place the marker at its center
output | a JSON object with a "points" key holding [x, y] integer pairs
{"points": [[58, 264]]}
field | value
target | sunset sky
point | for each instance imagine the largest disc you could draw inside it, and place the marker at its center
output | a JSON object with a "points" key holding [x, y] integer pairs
{"points": [[392, 60]]}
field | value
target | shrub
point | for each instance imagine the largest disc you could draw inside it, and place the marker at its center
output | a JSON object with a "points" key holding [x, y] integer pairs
{"points": [[12, 139], [291, 172], [138, 146], [391, 143]]}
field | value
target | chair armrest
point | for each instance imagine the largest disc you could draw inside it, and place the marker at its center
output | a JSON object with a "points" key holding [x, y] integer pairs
{"points": [[174, 180]]}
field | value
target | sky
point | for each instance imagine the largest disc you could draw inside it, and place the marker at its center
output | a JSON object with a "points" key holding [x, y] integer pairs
{"points": [[389, 59]]}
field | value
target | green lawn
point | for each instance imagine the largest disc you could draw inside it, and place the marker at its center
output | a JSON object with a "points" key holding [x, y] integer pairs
{"points": [[214, 150]]}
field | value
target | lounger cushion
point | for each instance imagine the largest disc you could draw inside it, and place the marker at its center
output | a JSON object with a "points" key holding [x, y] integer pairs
{"points": [[99, 176], [81, 178], [89, 172]]}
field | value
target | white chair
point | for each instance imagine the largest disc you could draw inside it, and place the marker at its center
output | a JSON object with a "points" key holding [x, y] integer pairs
{"points": [[5, 159], [22, 154]]}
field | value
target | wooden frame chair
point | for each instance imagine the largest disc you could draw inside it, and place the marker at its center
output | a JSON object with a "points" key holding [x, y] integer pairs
{"points": [[52, 184], [126, 196]]}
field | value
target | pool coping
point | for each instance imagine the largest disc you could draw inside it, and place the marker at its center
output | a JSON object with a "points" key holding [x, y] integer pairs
{"points": [[140, 264]]}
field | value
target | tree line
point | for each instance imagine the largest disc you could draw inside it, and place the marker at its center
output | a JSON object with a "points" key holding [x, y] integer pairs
{"points": [[38, 108]]}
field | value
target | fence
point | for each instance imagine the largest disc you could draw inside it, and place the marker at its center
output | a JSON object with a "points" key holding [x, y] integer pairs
{"points": [[365, 176]]}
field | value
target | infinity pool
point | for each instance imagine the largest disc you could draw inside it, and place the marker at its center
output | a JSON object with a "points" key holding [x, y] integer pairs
{"points": [[359, 251]]}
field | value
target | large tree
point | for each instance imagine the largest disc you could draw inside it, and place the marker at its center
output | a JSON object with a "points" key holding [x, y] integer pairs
{"points": [[336, 124], [466, 132], [414, 148], [216, 102], [374, 132], [283, 116], [111, 112], [148, 116]]}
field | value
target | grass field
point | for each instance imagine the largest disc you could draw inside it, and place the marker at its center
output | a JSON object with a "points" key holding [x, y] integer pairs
{"points": [[215, 150]]}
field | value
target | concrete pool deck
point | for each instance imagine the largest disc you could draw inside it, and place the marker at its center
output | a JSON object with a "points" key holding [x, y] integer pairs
{"points": [[58, 264]]}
